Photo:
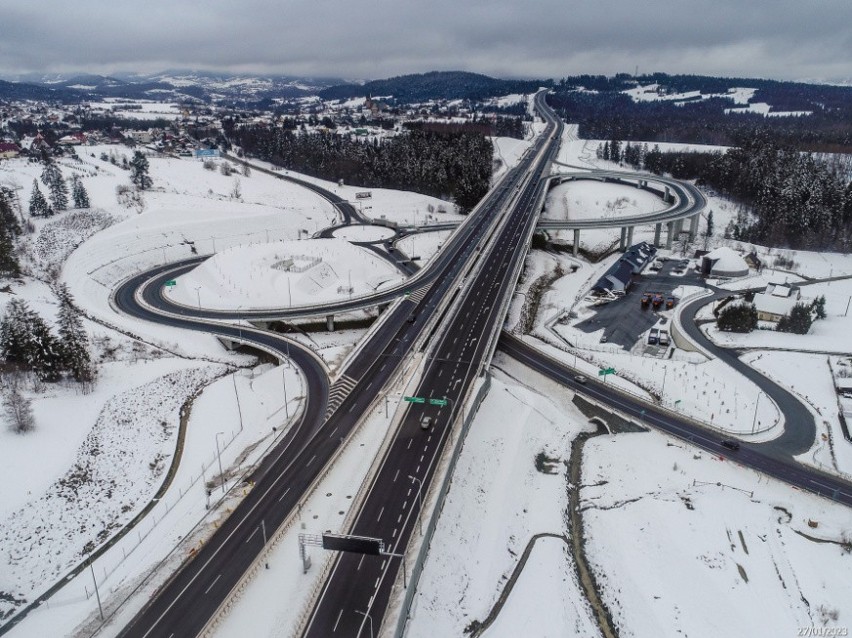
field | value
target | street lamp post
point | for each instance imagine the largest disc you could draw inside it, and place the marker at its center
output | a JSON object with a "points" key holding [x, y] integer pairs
{"points": [[754, 420], [368, 617], [419, 501], [198, 294], [219, 456], [284, 381]]}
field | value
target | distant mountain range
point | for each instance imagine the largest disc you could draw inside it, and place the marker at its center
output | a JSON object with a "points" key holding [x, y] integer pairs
{"points": [[209, 87], [175, 84]]}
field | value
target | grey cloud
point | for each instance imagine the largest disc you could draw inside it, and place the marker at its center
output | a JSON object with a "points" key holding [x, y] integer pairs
{"points": [[378, 38]]}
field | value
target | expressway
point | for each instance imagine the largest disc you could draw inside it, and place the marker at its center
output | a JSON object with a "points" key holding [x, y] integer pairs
{"points": [[463, 317], [752, 455], [360, 584], [186, 603]]}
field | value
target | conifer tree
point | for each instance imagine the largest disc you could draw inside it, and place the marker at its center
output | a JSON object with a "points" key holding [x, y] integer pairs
{"points": [[38, 204], [78, 193], [139, 171], [73, 339], [18, 408], [52, 178]]}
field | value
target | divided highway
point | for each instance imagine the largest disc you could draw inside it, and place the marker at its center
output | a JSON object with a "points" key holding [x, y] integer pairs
{"points": [[359, 584], [186, 603]]}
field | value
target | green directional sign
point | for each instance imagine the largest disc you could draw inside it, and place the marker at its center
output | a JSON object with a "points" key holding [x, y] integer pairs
{"points": [[605, 371], [441, 402], [414, 399], [171, 282]]}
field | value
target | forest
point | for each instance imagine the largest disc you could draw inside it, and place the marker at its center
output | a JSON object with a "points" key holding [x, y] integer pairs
{"points": [[788, 198], [604, 112], [455, 165]]}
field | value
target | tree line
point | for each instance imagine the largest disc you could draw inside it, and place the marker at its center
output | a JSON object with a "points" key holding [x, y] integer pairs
{"points": [[787, 198], [30, 348], [454, 165]]}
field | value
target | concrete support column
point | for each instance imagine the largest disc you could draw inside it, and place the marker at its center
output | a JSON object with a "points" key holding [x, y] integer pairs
{"points": [[576, 242], [668, 196], [657, 230], [621, 244], [669, 234], [678, 227], [693, 227], [329, 323], [630, 235]]}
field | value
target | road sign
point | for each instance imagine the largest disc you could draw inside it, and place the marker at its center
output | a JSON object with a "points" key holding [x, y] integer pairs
{"points": [[358, 544], [414, 399], [441, 402], [605, 371], [171, 283]]}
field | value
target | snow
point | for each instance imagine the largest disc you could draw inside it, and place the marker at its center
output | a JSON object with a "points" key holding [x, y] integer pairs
{"points": [[363, 233], [189, 211], [119, 466], [591, 199], [663, 523], [507, 153], [284, 274], [498, 502], [423, 245]]}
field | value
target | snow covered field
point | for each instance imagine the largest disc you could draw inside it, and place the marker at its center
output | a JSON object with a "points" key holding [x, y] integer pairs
{"points": [[588, 199], [685, 543]]}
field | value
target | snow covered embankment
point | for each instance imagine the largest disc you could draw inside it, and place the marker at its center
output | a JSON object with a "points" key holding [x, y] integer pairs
{"points": [[101, 492]]}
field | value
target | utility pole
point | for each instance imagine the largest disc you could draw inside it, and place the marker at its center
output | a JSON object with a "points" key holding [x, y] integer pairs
{"points": [[97, 593]]}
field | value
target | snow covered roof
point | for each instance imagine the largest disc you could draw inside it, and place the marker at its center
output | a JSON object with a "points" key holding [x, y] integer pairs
{"points": [[773, 305]]}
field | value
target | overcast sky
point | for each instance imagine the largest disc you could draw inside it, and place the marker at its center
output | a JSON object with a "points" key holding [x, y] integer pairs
{"points": [[783, 39]]}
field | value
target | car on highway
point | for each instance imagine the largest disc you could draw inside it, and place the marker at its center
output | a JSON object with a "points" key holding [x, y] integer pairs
{"points": [[580, 379], [412, 319], [425, 422], [731, 444]]}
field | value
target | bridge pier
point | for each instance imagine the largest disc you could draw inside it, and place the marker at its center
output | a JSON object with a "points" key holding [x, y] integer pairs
{"points": [[657, 230], [669, 234], [630, 235], [576, 248], [668, 196], [329, 323], [622, 243], [693, 227]]}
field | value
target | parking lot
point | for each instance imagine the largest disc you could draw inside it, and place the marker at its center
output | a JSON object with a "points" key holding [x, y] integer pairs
{"points": [[624, 320]]}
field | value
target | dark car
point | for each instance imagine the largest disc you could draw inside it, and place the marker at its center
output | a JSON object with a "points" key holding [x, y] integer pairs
{"points": [[412, 319], [731, 444]]}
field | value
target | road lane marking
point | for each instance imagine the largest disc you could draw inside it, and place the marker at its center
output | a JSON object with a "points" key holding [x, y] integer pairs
{"points": [[381, 511], [395, 475], [283, 495], [359, 562], [251, 536], [311, 461], [213, 583], [337, 622]]}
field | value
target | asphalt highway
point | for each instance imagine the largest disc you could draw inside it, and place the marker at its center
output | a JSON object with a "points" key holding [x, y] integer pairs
{"points": [[360, 584], [757, 456], [185, 604]]}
